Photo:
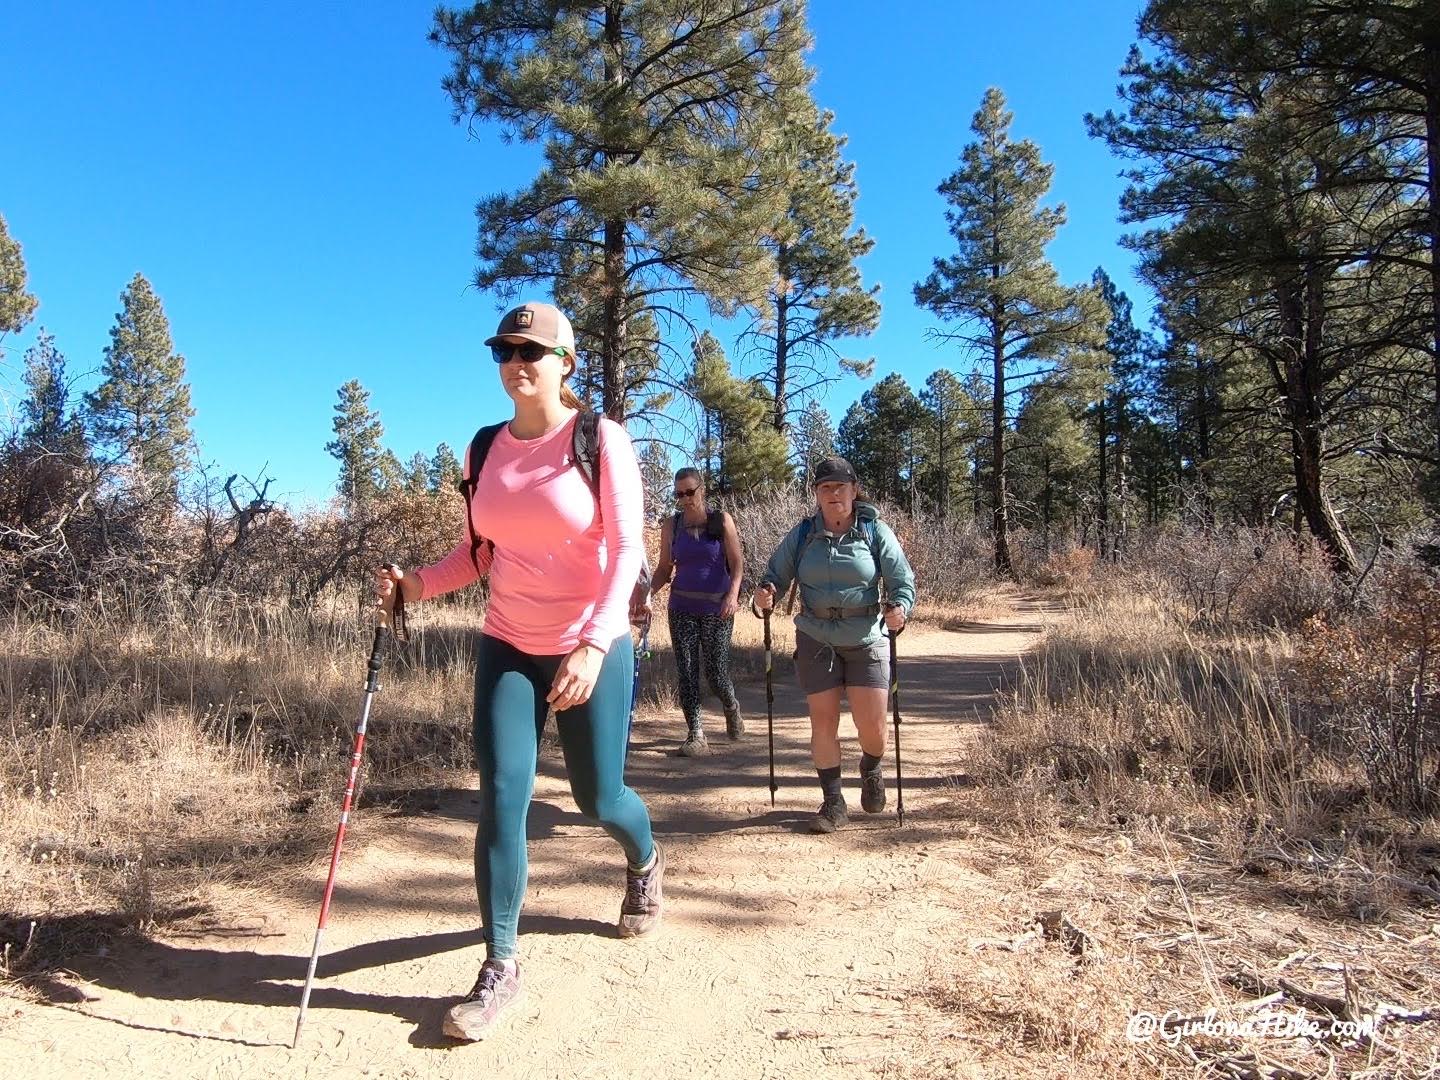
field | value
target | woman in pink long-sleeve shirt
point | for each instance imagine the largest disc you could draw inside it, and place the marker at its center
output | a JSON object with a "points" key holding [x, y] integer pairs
{"points": [[561, 566]]}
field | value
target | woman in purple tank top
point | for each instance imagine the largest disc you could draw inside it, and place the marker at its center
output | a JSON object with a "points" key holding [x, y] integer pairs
{"points": [[700, 551]]}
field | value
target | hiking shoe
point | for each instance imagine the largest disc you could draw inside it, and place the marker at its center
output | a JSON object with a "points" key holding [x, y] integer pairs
{"points": [[644, 898], [495, 990], [833, 813], [694, 744], [872, 792], [734, 724]]}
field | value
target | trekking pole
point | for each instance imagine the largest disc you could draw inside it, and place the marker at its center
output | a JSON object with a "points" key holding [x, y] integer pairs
{"points": [[391, 618], [642, 652], [895, 711], [770, 707]]}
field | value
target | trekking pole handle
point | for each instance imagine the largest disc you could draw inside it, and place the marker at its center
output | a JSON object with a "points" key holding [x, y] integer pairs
{"points": [[392, 613], [893, 633]]}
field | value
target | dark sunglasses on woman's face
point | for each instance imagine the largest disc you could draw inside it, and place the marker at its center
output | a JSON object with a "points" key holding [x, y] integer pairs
{"points": [[530, 351], [686, 493]]}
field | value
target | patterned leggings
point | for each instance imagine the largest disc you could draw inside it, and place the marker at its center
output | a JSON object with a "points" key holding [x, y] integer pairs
{"points": [[695, 634]]}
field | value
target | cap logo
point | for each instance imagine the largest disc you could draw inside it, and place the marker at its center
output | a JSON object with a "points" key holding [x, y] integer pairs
{"points": [[524, 319]]}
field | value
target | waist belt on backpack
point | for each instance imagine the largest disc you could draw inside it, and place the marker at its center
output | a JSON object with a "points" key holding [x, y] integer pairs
{"points": [[715, 597], [842, 612]]}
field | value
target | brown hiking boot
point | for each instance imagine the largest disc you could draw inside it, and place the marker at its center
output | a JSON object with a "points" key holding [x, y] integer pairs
{"points": [[734, 723], [644, 898], [833, 813], [494, 991]]}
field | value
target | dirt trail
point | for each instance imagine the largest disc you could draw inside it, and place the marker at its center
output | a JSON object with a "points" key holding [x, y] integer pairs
{"points": [[783, 954]]}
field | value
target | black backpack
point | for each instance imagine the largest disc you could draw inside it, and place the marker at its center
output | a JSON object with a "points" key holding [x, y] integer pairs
{"points": [[584, 451], [714, 527]]}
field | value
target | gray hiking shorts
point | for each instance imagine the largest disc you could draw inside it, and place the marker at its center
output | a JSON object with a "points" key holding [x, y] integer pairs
{"points": [[822, 667]]}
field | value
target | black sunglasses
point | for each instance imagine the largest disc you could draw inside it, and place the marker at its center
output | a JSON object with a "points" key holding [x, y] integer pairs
{"points": [[529, 351], [686, 494]]}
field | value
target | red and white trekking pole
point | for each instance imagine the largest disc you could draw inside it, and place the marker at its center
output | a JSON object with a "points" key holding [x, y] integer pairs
{"points": [[393, 617]]}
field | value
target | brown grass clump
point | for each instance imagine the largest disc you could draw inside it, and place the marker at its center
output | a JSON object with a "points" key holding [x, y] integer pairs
{"points": [[146, 759], [1231, 795], [1064, 940]]}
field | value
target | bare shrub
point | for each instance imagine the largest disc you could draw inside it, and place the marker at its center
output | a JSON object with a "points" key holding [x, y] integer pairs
{"points": [[1235, 578], [1071, 568], [1370, 683], [950, 557]]}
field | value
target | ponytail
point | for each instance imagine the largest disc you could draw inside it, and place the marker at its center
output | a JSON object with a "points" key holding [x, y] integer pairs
{"points": [[570, 399]]}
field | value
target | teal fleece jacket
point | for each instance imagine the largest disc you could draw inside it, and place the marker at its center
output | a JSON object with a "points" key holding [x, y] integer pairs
{"points": [[841, 572]]}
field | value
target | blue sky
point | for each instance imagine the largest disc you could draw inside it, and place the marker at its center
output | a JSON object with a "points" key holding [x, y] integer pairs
{"points": [[290, 180]]}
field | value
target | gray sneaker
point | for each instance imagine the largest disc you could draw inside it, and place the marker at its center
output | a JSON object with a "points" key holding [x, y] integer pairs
{"points": [[695, 744], [644, 899], [833, 813], [872, 792], [495, 990], [734, 724]]}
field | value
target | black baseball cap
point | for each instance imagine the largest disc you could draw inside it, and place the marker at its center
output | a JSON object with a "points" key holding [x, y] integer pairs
{"points": [[832, 469]]}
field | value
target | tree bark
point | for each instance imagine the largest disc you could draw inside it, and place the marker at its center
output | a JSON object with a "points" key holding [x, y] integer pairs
{"points": [[613, 321], [1102, 524], [1432, 186], [782, 344], [1122, 488], [999, 511], [1302, 358], [1046, 507]]}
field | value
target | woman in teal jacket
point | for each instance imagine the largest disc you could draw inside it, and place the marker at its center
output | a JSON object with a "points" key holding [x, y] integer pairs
{"points": [[839, 557]]}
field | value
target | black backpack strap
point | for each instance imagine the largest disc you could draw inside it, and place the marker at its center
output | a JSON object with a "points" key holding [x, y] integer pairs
{"points": [[715, 525], [470, 476], [585, 448]]}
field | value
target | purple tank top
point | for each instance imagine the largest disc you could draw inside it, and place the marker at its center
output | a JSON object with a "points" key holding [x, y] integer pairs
{"points": [[701, 577]]}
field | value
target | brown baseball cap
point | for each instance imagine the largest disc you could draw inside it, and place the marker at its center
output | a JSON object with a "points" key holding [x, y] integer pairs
{"points": [[543, 323]]}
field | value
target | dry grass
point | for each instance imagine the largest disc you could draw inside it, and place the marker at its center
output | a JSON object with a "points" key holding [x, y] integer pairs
{"points": [[1161, 786], [1167, 928], [144, 760]]}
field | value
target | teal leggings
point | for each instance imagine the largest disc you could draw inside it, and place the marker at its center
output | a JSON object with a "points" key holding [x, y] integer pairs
{"points": [[510, 710]]}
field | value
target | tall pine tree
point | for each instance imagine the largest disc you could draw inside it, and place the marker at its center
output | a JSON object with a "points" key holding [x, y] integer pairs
{"points": [[881, 435], [1000, 287], [952, 425], [47, 421], [140, 413], [814, 440], [743, 453], [1261, 205], [817, 296], [356, 446], [445, 470], [16, 305], [658, 120]]}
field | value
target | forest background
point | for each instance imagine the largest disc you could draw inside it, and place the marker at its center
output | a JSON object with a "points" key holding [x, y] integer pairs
{"points": [[1220, 440]]}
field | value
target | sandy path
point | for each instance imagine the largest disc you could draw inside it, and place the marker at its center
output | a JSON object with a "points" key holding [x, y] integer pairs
{"points": [[783, 954]]}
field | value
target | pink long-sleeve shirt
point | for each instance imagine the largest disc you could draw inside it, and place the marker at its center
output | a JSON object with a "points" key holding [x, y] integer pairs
{"points": [[562, 568]]}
